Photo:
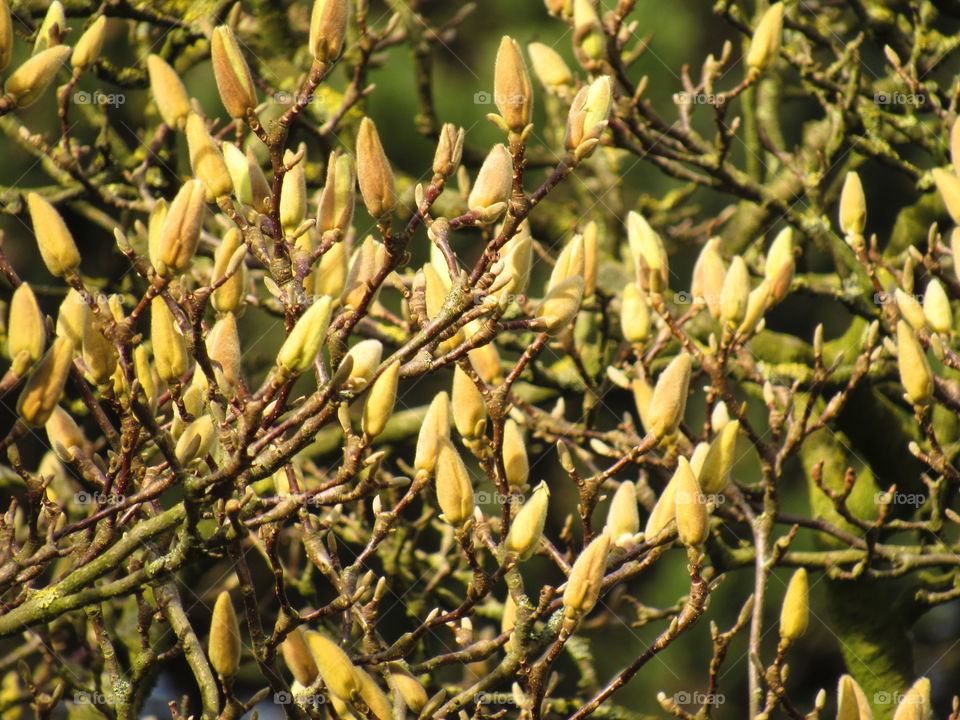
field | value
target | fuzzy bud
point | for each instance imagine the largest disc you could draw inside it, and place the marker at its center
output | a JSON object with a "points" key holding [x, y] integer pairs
{"points": [[515, 461], [168, 92], [853, 205], [469, 409], [409, 688], [87, 49], [449, 150], [45, 385], [915, 374], [26, 334], [852, 701], [53, 28], [57, 248], [180, 232], [709, 273], [511, 86], [527, 528], [634, 314], [910, 309], [691, 510], [949, 186], [936, 307], [232, 73], [587, 31], [780, 266], [328, 28], [796, 607], [206, 160], [454, 489], [293, 198], [380, 400], [491, 191], [623, 517], [198, 440], [223, 347], [648, 252], [735, 293], [373, 697], [64, 434], [586, 578], [229, 297], [669, 400], [6, 35], [715, 473], [365, 356], [335, 210], [305, 339], [549, 67], [27, 83], [436, 425], [374, 175], [99, 354], [560, 306], [224, 645], [169, 346], [298, 657], [570, 262], [338, 672], [765, 44], [915, 703]]}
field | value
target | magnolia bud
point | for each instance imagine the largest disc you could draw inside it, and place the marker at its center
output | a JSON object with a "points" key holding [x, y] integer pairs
{"points": [[374, 175], [87, 49], [198, 440], [570, 262], [853, 205], [560, 306], [515, 462], [380, 400], [27, 83], [586, 578], [249, 183], [449, 150], [26, 333], [587, 31], [780, 265], [849, 704], [168, 91], [691, 510], [305, 339], [436, 425], [298, 658], [910, 309], [527, 527], [335, 210], [634, 314], [99, 354], [588, 117], [330, 274], [469, 408], [338, 672], [517, 260], [735, 293], [57, 249], [293, 198], [45, 385], [936, 307], [52, 29], [223, 347], [714, 476], [454, 489], [765, 44], [757, 303], [511, 86], [508, 619], [796, 607], [649, 255], [669, 400], [374, 698], [409, 688], [915, 703], [6, 35], [64, 434], [719, 417], [366, 262], [365, 356], [623, 517], [491, 191], [206, 159], [949, 186], [549, 68], [169, 348], [232, 73], [224, 644], [915, 374], [328, 28], [229, 297], [180, 232], [642, 395], [708, 276]]}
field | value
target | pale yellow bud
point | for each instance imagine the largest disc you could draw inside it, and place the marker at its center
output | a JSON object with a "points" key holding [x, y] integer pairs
{"points": [[330, 273], [560, 306], [665, 510], [509, 618], [303, 343], [145, 373], [757, 303], [910, 309], [796, 607], [515, 462], [223, 347], [293, 197], [780, 265], [229, 297], [511, 86], [454, 489], [486, 361], [338, 672], [709, 273], [168, 92], [6, 35], [949, 186], [591, 258], [99, 354], [57, 249], [87, 50], [380, 400], [26, 332], [436, 425], [549, 67], [373, 696], [366, 261], [634, 314], [587, 31], [586, 578], [623, 517], [714, 475], [335, 211], [469, 408], [224, 644], [365, 356], [169, 347], [915, 374], [736, 292], [642, 395], [936, 307], [27, 83], [52, 29], [328, 28], [570, 262], [915, 703], [494, 183], [199, 439], [852, 702], [411, 691], [298, 657], [446, 159], [45, 385], [517, 261], [206, 160], [249, 183], [691, 508], [527, 528], [64, 434], [669, 400], [232, 73], [180, 232], [648, 252], [374, 175], [765, 44]]}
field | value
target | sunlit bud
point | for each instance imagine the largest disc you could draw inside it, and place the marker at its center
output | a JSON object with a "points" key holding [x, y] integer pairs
{"points": [[623, 517], [145, 373], [158, 216], [224, 644], [26, 333], [454, 489], [915, 703], [634, 314], [239, 169], [486, 361], [57, 249], [715, 473], [936, 307], [87, 49], [167, 89], [765, 44], [570, 262], [591, 258], [586, 578], [64, 434], [915, 374], [735, 293], [508, 619], [719, 417], [330, 273], [99, 354], [337, 200], [446, 159], [380, 400], [293, 198], [757, 303], [435, 291], [373, 696], [366, 261], [691, 509], [527, 528], [298, 658], [949, 186], [515, 461], [436, 425], [649, 255], [587, 31], [469, 409], [45, 385], [588, 117], [411, 691], [491, 191], [206, 159], [780, 265], [229, 297], [169, 347], [708, 276], [338, 672], [796, 607], [223, 347], [374, 175], [549, 67], [27, 83], [232, 73], [328, 28], [303, 343], [852, 702], [517, 263], [366, 356], [52, 29], [180, 232], [910, 309], [6, 35], [560, 306], [669, 399], [511, 86], [642, 395], [198, 440], [853, 205]]}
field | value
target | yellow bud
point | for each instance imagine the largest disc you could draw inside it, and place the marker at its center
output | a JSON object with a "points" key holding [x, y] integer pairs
{"points": [[224, 644], [486, 361], [45, 385], [223, 347], [435, 292], [714, 476], [26, 332], [374, 175], [511, 86], [765, 44], [586, 578], [708, 276], [936, 307], [735, 293], [57, 249], [691, 507], [232, 73], [366, 261], [168, 91], [587, 31], [623, 517], [648, 252], [852, 702], [229, 297], [780, 265], [199, 439], [328, 28], [446, 159], [560, 306], [588, 117], [491, 191], [518, 259], [293, 197], [469, 409], [27, 83], [241, 172], [87, 49], [669, 400], [915, 703], [206, 160], [409, 688], [527, 528], [303, 343], [169, 348], [454, 489], [335, 211], [515, 461], [915, 374], [570, 262], [910, 309], [436, 425], [366, 356], [757, 303], [330, 274], [373, 696], [665, 510], [949, 186], [853, 205], [642, 395], [380, 400], [509, 618], [52, 29], [634, 314], [6, 35], [549, 68], [180, 232], [298, 657], [158, 216], [64, 434], [338, 672], [796, 607], [99, 354], [145, 373]]}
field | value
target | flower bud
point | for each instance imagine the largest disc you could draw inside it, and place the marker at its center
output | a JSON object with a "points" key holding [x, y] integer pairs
{"points": [[229, 297], [915, 374], [374, 175], [586, 578], [852, 703], [949, 186], [293, 197], [757, 303], [27, 83], [853, 205], [515, 462], [910, 309], [588, 117], [436, 425], [158, 216], [549, 67], [517, 260], [224, 644], [454, 489], [169, 348], [249, 183], [765, 44], [560, 306], [223, 347], [298, 657], [642, 395], [634, 315], [303, 343], [449, 150], [99, 354], [469, 408], [648, 252], [45, 385], [206, 159], [64, 434], [435, 292], [796, 607], [53, 28], [373, 697], [6, 35], [527, 528], [87, 50], [491, 191], [168, 91], [57, 249], [714, 476], [380, 400], [232, 73], [915, 703], [330, 274], [587, 31], [691, 510], [338, 672], [409, 688], [146, 374], [26, 332], [366, 261], [780, 265], [708, 276], [570, 262], [623, 517], [735, 293], [337, 199], [180, 233], [365, 356], [936, 307], [511, 86], [508, 620], [199, 439], [328, 28], [669, 400]]}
